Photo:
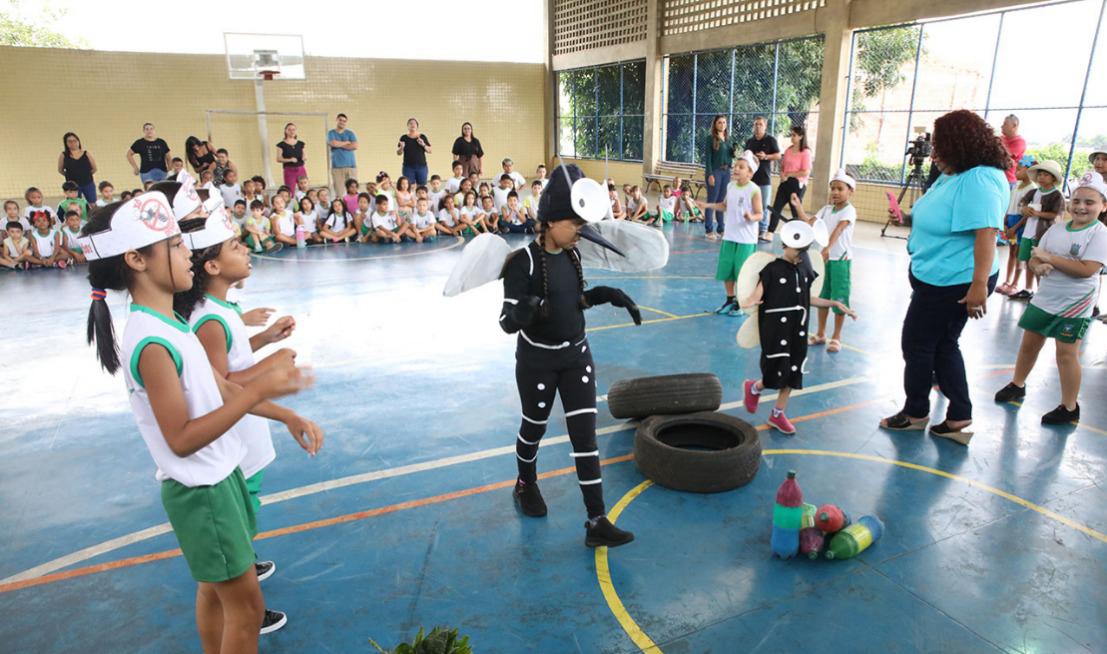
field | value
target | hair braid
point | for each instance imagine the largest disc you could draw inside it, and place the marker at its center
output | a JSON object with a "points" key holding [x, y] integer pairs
{"points": [[574, 256], [544, 309], [185, 301]]}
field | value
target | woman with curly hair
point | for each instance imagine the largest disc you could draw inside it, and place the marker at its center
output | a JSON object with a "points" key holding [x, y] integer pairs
{"points": [[954, 267]]}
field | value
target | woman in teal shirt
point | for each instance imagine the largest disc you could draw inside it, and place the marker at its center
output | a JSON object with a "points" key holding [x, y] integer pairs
{"points": [[954, 267], [718, 156]]}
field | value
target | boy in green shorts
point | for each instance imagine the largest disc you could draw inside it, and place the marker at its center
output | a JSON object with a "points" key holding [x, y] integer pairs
{"points": [[839, 217], [742, 214], [258, 237], [1040, 208]]}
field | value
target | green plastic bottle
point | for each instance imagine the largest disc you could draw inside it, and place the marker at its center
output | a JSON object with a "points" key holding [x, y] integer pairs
{"points": [[855, 538]]}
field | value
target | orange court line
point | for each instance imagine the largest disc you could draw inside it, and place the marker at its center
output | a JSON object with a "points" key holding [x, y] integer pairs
{"points": [[359, 515]]}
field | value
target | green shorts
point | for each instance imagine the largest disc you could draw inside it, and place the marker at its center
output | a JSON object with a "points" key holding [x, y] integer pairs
{"points": [[1066, 330], [214, 525], [836, 282], [731, 257], [253, 485], [364, 228], [252, 243], [666, 216], [1025, 245]]}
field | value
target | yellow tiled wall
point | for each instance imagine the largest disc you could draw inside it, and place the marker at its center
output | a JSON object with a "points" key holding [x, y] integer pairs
{"points": [[106, 96]]}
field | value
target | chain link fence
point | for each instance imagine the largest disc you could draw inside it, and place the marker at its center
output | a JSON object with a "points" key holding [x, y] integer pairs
{"points": [[779, 80], [601, 111]]}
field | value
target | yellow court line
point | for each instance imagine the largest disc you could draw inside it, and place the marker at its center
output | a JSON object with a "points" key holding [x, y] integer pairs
{"points": [[648, 322], [646, 644], [603, 574], [664, 313]]}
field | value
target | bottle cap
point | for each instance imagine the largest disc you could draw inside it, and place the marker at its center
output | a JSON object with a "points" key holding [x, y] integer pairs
{"points": [[791, 474]]}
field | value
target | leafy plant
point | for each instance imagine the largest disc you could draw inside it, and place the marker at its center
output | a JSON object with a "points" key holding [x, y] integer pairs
{"points": [[440, 640]]}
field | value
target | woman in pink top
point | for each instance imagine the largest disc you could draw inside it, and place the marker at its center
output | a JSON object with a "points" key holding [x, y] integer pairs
{"points": [[795, 167]]}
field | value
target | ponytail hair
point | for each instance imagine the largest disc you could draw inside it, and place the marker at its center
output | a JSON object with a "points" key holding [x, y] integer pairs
{"points": [[185, 302], [113, 274]]}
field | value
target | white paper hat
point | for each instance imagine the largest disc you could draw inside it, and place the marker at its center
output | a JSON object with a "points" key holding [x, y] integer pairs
{"points": [[1094, 181], [843, 177], [217, 228], [187, 199], [798, 234], [750, 159], [143, 220]]}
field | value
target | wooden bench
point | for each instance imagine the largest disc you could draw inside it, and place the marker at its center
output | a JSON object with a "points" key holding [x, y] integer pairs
{"points": [[665, 171]]}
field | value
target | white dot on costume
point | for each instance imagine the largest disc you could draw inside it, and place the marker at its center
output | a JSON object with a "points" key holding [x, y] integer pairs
{"points": [[783, 342], [803, 333], [541, 387], [584, 379], [797, 289], [784, 319], [795, 368], [541, 405], [587, 368], [584, 348], [783, 281]]}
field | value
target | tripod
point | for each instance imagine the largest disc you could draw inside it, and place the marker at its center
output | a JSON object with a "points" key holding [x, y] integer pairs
{"points": [[912, 189]]}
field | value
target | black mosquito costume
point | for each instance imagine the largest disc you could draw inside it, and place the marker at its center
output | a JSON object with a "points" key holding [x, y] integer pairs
{"points": [[782, 322], [544, 302]]}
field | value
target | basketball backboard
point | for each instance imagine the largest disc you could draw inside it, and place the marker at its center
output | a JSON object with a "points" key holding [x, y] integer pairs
{"points": [[264, 56]]}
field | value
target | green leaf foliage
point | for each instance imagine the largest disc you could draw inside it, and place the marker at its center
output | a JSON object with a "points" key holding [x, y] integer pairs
{"points": [[440, 640]]}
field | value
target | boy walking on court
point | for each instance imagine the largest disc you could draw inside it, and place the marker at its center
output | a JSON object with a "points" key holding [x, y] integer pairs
{"points": [[1041, 207], [742, 208]]}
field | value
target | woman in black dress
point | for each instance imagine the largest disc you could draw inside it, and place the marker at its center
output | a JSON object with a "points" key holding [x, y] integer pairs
{"points": [[78, 166], [468, 151], [291, 156], [415, 146]]}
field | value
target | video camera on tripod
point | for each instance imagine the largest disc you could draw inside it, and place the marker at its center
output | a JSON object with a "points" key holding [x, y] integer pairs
{"points": [[918, 151]]}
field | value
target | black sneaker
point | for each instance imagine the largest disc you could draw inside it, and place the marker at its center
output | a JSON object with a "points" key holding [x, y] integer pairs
{"points": [[605, 534], [529, 499], [1061, 416], [1023, 295], [273, 621], [265, 569], [726, 307], [1010, 393]]}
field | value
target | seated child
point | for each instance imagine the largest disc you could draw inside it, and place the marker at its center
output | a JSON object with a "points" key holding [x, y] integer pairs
{"points": [[666, 204], [70, 232], [308, 218], [340, 226], [530, 205], [238, 218], [509, 170], [11, 213], [207, 180], [283, 222], [540, 176], [449, 219], [16, 253], [499, 194], [302, 187], [46, 246], [107, 194], [385, 226], [422, 220], [471, 217], [258, 232], [459, 197], [453, 185], [839, 218], [405, 199], [491, 216], [617, 212], [351, 195], [636, 207], [435, 193], [686, 204], [230, 189], [512, 217], [33, 196], [363, 218], [223, 164]]}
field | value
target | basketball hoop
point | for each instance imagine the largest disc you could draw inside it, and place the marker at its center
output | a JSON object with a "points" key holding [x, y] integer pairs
{"points": [[268, 75]]}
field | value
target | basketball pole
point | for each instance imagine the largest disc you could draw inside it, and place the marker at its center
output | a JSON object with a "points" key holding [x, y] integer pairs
{"points": [[263, 129]]}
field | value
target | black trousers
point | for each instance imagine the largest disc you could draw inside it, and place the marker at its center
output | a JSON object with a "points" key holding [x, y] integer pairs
{"points": [[782, 199], [931, 330], [568, 373]]}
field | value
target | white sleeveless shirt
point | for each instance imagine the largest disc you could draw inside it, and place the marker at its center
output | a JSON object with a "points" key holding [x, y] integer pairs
{"points": [[254, 430], [45, 243], [215, 461]]}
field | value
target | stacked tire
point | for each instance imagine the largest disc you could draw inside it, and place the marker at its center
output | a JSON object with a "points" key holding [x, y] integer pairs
{"points": [[683, 442]]}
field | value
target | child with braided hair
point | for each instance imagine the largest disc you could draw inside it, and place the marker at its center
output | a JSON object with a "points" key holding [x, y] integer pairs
{"points": [[544, 303]]}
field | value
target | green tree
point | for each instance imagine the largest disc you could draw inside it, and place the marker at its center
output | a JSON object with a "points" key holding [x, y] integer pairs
{"points": [[18, 30]]}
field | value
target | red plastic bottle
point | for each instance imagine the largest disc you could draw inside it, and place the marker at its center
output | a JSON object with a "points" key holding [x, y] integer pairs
{"points": [[787, 518]]}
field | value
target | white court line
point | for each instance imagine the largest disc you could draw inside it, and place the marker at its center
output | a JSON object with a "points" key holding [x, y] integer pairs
{"points": [[352, 480], [459, 240]]}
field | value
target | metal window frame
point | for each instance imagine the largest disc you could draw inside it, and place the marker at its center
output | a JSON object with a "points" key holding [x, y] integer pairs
{"points": [[596, 115]]}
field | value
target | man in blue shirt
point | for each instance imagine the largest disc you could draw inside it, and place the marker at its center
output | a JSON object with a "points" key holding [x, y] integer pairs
{"points": [[342, 142]]}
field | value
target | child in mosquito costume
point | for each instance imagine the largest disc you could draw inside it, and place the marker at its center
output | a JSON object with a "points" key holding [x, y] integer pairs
{"points": [[544, 302]]}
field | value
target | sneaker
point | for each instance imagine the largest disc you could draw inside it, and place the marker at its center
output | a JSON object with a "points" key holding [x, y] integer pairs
{"points": [[750, 398], [1010, 393], [265, 569], [734, 310], [1062, 416], [765, 237], [273, 621], [62, 264], [529, 499], [604, 534], [1022, 295], [725, 307], [780, 422]]}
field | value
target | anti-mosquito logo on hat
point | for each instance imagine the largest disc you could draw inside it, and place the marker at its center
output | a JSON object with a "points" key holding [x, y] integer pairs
{"points": [[153, 215]]}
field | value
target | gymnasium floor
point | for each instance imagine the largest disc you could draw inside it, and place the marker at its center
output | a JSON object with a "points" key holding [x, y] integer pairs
{"points": [[405, 517]]}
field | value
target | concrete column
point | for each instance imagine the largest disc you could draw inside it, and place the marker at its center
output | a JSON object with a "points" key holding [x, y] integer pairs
{"points": [[833, 22], [550, 95], [651, 125]]}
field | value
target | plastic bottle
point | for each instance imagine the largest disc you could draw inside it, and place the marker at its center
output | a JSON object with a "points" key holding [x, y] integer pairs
{"points": [[812, 540], [301, 241], [787, 518], [855, 538], [831, 519], [808, 516]]}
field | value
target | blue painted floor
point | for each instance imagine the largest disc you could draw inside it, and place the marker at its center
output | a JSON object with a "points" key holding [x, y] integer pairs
{"points": [[405, 519]]}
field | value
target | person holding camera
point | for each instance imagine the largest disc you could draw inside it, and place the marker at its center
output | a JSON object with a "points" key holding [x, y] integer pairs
{"points": [[954, 267]]}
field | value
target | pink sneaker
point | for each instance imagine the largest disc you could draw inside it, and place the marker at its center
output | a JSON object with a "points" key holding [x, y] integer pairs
{"points": [[61, 264], [780, 422], [752, 399]]}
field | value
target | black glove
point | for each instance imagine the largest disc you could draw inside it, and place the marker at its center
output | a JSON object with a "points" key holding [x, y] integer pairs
{"points": [[615, 297], [526, 311]]}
